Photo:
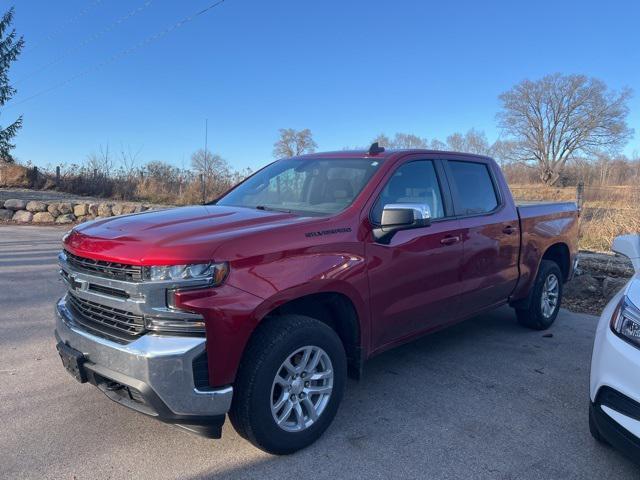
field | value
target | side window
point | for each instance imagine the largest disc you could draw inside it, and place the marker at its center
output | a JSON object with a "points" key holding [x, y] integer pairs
{"points": [[413, 182], [475, 191]]}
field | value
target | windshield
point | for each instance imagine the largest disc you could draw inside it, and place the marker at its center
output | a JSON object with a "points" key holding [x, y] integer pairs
{"points": [[308, 186]]}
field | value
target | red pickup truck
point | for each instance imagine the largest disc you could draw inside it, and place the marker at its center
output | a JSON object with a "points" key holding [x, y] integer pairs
{"points": [[260, 304]]}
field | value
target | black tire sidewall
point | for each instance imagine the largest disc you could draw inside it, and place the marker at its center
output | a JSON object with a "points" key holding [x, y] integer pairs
{"points": [[546, 268], [264, 429]]}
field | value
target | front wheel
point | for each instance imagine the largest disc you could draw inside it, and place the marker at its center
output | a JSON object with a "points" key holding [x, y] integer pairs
{"points": [[289, 385], [546, 296]]}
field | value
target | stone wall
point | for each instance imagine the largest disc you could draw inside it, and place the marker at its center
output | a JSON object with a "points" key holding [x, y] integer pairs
{"points": [[36, 211]]}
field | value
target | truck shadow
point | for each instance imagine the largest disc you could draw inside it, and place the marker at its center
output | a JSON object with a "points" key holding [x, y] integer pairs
{"points": [[486, 396]]}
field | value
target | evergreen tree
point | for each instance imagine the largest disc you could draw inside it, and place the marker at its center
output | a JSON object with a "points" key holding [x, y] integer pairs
{"points": [[10, 48]]}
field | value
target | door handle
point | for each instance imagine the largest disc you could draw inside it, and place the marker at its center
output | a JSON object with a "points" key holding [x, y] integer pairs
{"points": [[450, 240], [509, 229]]}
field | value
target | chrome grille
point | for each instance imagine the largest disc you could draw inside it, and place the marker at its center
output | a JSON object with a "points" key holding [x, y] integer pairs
{"points": [[114, 270], [108, 322]]}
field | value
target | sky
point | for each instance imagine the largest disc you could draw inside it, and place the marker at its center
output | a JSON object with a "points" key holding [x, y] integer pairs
{"points": [[112, 72]]}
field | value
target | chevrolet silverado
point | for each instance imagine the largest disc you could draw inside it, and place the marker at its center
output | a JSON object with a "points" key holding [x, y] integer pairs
{"points": [[259, 304]]}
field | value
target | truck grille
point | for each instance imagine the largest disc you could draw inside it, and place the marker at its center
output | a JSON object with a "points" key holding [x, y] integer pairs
{"points": [[107, 322], [116, 271]]}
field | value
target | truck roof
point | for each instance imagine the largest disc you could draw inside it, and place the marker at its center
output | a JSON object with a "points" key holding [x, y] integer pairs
{"points": [[392, 152]]}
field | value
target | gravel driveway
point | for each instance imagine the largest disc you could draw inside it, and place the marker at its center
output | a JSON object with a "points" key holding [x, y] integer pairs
{"points": [[485, 399]]}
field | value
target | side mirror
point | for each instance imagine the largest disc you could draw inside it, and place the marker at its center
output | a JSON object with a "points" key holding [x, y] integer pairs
{"points": [[401, 216], [628, 246]]}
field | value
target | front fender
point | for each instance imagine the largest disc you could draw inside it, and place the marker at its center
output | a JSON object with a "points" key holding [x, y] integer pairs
{"points": [[252, 291], [292, 277]]}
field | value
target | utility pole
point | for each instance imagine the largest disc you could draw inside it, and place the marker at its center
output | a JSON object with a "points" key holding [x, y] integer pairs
{"points": [[206, 132], [206, 157]]}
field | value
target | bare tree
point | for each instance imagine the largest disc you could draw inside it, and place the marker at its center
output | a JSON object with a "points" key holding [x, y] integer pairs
{"points": [[437, 145], [560, 116], [101, 162], [209, 164], [409, 140], [128, 159], [474, 141], [401, 140], [503, 152], [294, 142], [382, 140]]}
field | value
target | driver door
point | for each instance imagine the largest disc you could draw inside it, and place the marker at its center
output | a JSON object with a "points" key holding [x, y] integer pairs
{"points": [[414, 279]]}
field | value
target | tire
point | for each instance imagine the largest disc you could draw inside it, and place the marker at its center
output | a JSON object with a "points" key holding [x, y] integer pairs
{"points": [[256, 391], [534, 316]]}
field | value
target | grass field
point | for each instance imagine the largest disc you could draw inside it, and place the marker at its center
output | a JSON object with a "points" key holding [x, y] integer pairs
{"points": [[607, 211]]}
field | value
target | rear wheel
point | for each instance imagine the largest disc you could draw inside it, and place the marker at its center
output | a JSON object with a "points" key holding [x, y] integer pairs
{"points": [[546, 296], [289, 385]]}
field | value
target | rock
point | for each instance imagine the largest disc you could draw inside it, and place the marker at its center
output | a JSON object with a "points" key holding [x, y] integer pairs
{"points": [[15, 204], [66, 218], [137, 209], [65, 208], [53, 209], [36, 206], [22, 216], [128, 208], [93, 209], [81, 209], [117, 209], [104, 210], [583, 286], [611, 285], [43, 217], [5, 214]]}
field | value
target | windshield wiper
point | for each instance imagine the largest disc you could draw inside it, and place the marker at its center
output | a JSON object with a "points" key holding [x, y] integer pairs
{"points": [[271, 209]]}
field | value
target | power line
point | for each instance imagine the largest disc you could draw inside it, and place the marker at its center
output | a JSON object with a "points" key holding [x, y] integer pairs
{"points": [[64, 25], [119, 55], [87, 41]]}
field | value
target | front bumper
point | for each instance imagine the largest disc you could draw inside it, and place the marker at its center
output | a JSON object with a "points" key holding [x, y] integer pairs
{"points": [[152, 375], [602, 415]]}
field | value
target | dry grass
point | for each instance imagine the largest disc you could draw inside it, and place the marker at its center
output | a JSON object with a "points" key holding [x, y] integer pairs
{"points": [[12, 175], [607, 211]]}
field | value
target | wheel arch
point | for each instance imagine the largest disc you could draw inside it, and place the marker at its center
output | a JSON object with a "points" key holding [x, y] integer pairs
{"points": [[561, 255], [335, 309], [558, 253]]}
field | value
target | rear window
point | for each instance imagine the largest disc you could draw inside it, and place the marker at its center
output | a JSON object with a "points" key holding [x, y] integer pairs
{"points": [[475, 191]]}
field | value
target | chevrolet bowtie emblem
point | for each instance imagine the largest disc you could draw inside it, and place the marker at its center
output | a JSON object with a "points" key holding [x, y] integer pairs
{"points": [[76, 284]]}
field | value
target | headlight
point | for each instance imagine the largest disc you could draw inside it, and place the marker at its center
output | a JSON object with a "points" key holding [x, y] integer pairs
{"points": [[625, 321], [215, 273]]}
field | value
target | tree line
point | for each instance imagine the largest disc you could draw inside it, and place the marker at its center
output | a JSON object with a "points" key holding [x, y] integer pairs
{"points": [[553, 130]]}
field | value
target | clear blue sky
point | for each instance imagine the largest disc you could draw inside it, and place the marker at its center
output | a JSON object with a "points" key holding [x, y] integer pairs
{"points": [[347, 70]]}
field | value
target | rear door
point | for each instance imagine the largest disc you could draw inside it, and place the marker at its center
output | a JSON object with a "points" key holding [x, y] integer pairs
{"points": [[490, 233], [414, 279]]}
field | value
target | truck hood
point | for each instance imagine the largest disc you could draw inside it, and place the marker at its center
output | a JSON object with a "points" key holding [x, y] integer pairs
{"points": [[171, 237]]}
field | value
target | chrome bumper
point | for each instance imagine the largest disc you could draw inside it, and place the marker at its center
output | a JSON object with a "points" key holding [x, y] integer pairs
{"points": [[160, 367]]}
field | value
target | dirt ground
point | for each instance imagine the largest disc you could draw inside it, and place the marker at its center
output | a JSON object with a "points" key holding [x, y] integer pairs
{"points": [[598, 277]]}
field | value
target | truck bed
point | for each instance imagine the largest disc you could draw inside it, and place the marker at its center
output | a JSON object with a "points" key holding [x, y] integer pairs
{"points": [[543, 224]]}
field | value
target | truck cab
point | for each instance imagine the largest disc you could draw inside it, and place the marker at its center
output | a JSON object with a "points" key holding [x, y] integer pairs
{"points": [[259, 304]]}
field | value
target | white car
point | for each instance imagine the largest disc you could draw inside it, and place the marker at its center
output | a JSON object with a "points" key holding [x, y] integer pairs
{"points": [[614, 414]]}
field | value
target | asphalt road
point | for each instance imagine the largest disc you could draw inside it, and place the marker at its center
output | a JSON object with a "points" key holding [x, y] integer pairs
{"points": [[483, 400]]}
